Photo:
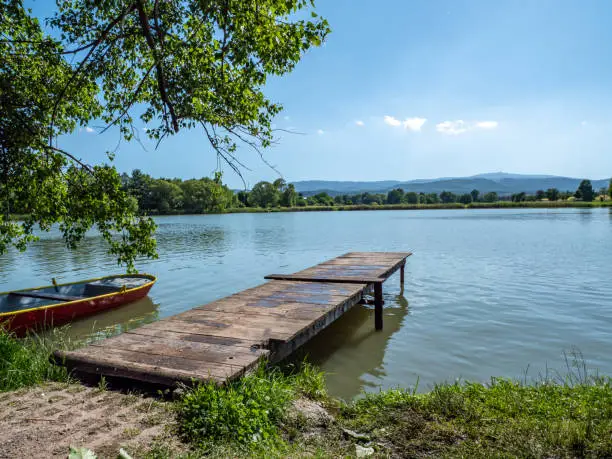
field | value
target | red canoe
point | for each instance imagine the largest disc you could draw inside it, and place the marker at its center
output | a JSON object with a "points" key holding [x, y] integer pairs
{"points": [[41, 307]]}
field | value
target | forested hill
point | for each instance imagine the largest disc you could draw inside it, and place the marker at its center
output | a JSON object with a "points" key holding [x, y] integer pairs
{"points": [[501, 183]]}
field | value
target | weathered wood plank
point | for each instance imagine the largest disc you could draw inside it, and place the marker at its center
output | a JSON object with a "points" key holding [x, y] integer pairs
{"points": [[376, 254], [110, 360], [276, 286], [206, 327], [279, 310], [314, 295], [351, 262], [339, 279], [195, 337], [229, 319], [108, 366], [201, 370], [189, 350], [222, 340]]}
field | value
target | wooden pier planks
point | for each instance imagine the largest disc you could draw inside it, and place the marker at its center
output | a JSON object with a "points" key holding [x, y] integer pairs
{"points": [[353, 267], [222, 340]]}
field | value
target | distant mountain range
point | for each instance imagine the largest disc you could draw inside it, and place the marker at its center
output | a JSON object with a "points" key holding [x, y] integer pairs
{"points": [[500, 182]]}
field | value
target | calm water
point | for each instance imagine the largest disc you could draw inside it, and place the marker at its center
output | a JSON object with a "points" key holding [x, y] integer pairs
{"points": [[488, 292]]}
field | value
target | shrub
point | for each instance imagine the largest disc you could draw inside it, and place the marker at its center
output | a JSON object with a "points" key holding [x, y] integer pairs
{"points": [[248, 411], [244, 411]]}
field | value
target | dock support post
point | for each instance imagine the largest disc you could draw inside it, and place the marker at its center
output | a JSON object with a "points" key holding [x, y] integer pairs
{"points": [[402, 275], [378, 306]]}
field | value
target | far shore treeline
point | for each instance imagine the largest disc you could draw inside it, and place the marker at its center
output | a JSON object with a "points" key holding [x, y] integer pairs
{"points": [[172, 196], [167, 196]]}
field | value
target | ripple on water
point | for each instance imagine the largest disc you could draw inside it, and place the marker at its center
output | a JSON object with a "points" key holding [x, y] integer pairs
{"points": [[488, 292]]}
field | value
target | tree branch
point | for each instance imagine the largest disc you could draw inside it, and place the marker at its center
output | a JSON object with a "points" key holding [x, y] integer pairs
{"points": [[131, 103], [254, 146], [97, 43], [161, 80], [229, 159], [85, 166]]}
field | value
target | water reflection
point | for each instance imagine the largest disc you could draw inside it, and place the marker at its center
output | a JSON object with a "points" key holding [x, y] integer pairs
{"points": [[481, 281], [49, 257], [194, 241], [88, 252], [353, 345], [7, 264], [272, 233], [586, 215]]}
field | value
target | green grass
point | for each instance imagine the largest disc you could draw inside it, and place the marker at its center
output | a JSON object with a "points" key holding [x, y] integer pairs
{"points": [[501, 419], [306, 380], [567, 416], [26, 361], [556, 416], [539, 204]]}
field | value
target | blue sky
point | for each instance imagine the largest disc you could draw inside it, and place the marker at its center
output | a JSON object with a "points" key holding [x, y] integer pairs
{"points": [[408, 89]]}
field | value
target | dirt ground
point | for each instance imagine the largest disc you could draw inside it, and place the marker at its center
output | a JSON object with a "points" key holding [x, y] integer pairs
{"points": [[44, 421]]}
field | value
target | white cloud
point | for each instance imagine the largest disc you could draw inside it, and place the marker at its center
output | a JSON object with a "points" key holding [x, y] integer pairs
{"points": [[392, 121], [459, 126], [487, 124], [452, 127], [89, 129], [320, 131], [414, 124], [359, 123]]}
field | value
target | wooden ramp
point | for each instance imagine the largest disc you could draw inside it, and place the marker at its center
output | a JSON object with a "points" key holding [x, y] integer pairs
{"points": [[222, 340]]}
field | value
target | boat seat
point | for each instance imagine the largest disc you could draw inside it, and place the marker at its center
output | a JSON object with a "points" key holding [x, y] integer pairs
{"points": [[95, 289], [106, 286], [47, 296]]}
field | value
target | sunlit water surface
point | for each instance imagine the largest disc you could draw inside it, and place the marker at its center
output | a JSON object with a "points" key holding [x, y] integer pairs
{"points": [[488, 292]]}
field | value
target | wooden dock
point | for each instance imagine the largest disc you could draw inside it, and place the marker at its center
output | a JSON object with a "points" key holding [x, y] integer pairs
{"points": [[222, 340]]}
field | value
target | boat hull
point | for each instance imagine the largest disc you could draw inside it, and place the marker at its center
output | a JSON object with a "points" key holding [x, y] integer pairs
{"points": [[40, 318]]}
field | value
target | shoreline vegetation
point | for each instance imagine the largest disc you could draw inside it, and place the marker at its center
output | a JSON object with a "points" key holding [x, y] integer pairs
{"points": [[361, 207], [153, 196], [285, 411], [473, 205], [149, 196]]}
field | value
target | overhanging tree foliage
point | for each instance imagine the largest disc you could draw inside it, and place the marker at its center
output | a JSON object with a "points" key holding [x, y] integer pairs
{"points": [[172, 64]]}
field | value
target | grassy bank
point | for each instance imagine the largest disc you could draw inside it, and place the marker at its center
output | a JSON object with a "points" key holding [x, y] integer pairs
{"points": [[286, 412], [474, 205], [503, 418], [26, 362], [571, 418], [453, 205]]}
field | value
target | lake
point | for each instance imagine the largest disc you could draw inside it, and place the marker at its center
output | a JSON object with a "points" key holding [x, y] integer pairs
{"points": [[487, 293]]}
